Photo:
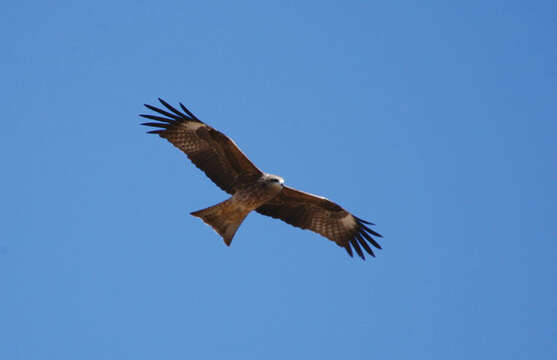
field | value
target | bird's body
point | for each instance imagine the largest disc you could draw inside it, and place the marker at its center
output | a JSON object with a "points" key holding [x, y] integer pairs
{"points": [[227, 216], [251, 189], [254, 194]]}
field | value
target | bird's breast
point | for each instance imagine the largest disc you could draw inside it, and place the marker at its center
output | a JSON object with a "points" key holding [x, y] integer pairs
{"points": [[255, 195]]}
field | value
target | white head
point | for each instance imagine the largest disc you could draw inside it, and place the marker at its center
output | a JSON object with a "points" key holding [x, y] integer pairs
{"points": [[272, 180]]}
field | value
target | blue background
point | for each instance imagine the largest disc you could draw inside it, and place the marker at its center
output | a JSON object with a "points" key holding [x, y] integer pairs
{"points": [[436, 120]]}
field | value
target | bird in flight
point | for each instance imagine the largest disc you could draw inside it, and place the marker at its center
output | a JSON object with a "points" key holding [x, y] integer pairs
{"points": [[252, 189]]}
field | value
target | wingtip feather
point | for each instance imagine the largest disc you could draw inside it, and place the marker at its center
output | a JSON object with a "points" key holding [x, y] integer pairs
{"points": [[358, 249], [364, 244], [363, 221], [173, 109], [163, 112], [159, 125], [371, 231], [189, 112], [370, 239], [348, 249]]}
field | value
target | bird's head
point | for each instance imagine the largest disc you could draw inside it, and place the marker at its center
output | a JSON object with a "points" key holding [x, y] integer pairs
{"points": [[273, 180]]}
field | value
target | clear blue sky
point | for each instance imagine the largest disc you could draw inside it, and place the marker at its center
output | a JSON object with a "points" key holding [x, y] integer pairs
{"points": [[436, 120]]}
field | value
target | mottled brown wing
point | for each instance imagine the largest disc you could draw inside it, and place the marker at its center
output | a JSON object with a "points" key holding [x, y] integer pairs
{"points": [[210, 150], [318, 214]]}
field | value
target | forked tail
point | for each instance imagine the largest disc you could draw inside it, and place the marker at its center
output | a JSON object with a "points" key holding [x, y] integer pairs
{"points": [[225, 218]]}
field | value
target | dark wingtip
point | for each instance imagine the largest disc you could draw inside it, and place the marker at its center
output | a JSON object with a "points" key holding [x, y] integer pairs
{"points": [[159, 125], [189, 112], [358, 249], [367, 228], [364, 233], [165, 113], [348, 249], [167, 105], [171, 108], [158, 118], [363, 221], [370, 239], [364, 244], [174, 114], [371, 231]]}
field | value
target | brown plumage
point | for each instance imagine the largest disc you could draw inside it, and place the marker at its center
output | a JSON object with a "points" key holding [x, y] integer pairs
{"points": [[251, 189]]}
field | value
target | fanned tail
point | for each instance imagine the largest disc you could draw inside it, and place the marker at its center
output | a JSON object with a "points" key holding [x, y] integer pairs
{"points": [[225, 218]]}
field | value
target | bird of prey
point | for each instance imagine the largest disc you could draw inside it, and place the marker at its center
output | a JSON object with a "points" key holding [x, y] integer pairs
{"points": [[252, 189]]}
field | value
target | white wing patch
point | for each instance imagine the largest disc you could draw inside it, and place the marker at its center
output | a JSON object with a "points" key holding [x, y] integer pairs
{"points": [[192, 125], [348, 222]]}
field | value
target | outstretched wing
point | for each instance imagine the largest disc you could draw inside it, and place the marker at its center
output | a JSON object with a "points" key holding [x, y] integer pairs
{"points": [[315, 213], [210, 150]]}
